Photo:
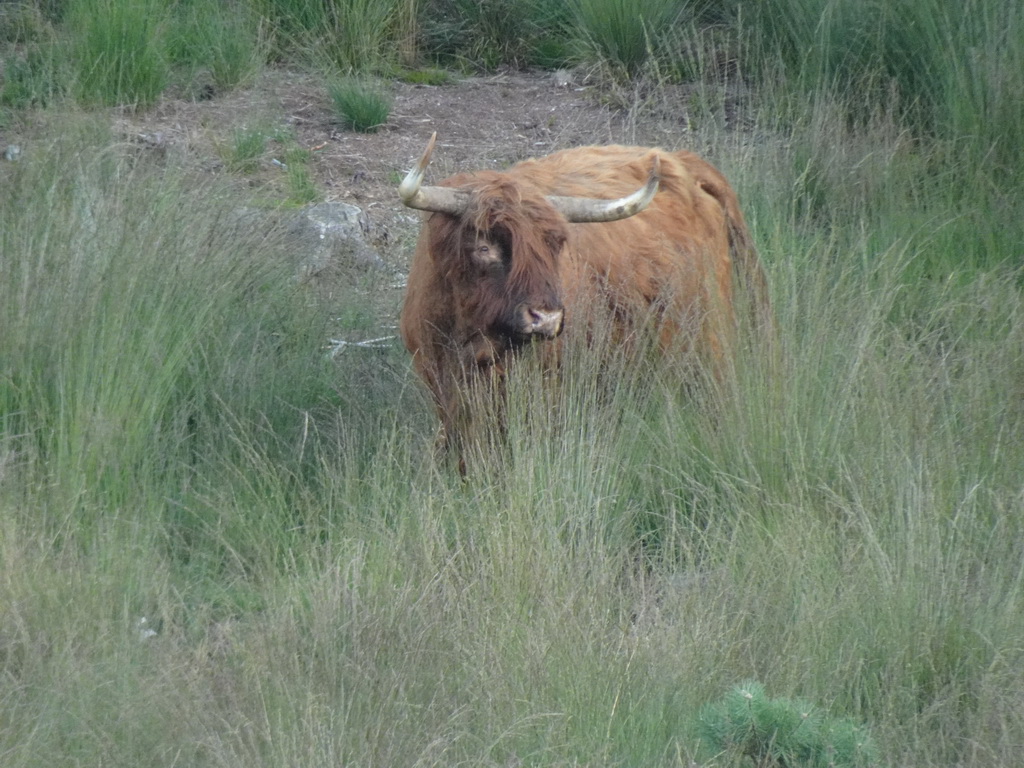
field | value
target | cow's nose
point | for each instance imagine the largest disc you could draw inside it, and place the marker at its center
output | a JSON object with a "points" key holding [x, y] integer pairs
{"points": [[543, 322]]}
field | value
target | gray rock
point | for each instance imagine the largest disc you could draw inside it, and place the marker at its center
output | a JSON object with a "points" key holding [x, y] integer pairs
{"points": [[319, 237], [332, 234]]}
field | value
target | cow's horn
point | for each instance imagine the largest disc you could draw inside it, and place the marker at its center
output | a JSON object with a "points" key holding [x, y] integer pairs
{"points": [[440, 199], [582, 210]]}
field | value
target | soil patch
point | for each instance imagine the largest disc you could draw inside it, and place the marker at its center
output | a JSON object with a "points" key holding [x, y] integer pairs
{"points": [[481, 122]]}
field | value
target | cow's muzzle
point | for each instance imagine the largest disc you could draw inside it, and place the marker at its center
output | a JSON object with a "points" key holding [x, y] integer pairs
{"points": [[541, 323]]}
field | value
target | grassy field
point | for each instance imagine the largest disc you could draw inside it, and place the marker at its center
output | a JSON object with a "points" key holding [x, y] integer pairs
{"points": [[220, 548]]}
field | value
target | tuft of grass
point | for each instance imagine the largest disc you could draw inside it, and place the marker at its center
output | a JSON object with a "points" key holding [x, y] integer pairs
{"points": [[624, 33], [230, 42], [246, 150], [23, 22], [118, 51], [981, 87], [553, 51], [360, 105], [291, 22], [111, 354], [485, 35], [358, 35], [301, 187], [38, 77], [361, 36]]}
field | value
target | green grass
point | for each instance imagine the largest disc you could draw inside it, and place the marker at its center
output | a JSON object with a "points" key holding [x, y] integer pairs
{"points": [[950, 71], [246, 150], [427, 76], [301, 187], [109, 302], [226, 43], [475, 34], [780, 732], [117, 51], [845, 527], [359, 104], [624, 32], [22, 23], [34, 76], [175, 445], [249, 151], [360, 36]]}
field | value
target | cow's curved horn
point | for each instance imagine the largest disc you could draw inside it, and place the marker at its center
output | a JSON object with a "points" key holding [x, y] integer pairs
{"points": [[439, 199], [581, 210]]}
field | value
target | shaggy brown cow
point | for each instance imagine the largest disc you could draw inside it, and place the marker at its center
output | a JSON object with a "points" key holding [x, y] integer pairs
{"points": [[512, 257]]}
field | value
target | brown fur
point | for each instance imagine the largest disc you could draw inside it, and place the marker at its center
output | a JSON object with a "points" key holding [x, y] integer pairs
{"points": [[675, 258]]}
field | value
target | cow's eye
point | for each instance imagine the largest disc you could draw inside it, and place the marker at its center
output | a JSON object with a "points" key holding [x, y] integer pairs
{"points": [[487, 254]]}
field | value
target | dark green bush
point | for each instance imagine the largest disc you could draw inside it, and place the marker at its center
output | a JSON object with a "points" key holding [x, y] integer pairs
{"points": [[783, 733]]}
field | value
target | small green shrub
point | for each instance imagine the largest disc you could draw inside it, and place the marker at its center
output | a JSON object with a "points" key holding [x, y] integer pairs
{"points": [[360, 105], [783, 733]]}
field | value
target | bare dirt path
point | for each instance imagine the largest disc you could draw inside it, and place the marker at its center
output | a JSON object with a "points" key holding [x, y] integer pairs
{"points": [[482, 122]]}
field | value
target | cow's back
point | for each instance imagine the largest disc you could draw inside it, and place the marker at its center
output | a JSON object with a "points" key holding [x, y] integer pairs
{"points": [[674, 256]]}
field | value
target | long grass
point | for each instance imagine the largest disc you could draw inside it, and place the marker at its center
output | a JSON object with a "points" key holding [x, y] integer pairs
{"points": [[844, 526], [624, 33], [486, 34], [118, 51], [115, 322], [361, 36], [847, 532], [951, 71], [228, 43]]}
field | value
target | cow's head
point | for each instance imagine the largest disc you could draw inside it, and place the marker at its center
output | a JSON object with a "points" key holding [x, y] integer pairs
{"points": [[497, 243]]}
